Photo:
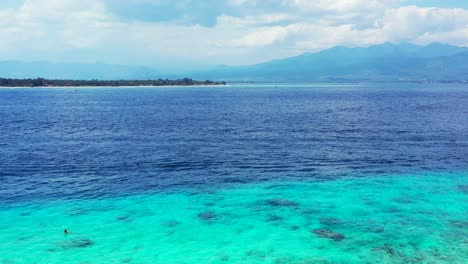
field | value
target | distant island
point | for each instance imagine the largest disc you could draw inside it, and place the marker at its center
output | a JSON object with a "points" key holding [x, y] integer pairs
{"points": [[41, 82]]}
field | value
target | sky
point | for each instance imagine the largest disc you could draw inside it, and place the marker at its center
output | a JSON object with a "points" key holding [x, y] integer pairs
{"points": [[184, 34]]}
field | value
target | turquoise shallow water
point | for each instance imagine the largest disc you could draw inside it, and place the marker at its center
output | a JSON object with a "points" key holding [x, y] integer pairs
{"points": [[377, 219]]}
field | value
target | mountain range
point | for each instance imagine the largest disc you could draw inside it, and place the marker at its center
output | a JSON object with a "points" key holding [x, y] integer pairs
{"points": [[385, 62]]}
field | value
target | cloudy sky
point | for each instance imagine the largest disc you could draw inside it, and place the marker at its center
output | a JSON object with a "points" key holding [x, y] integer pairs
{"points": [[186, 33]]}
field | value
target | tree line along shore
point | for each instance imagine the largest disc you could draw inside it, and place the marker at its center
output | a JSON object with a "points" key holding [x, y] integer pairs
{"points": [[41, 82]]}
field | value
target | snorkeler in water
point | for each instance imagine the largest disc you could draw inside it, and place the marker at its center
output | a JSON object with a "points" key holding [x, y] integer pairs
{"points": [[66, 232]]}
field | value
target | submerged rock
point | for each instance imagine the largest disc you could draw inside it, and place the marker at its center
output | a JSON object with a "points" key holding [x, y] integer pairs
{"points": [[459, 223], [207, 216], [330, 221], [329, 234], [376, 229], [404, 200], [285, 260], [76, 243], [391, 210], [77, 212], [310, 212], [256, 255], [137, 248], [274, 218], [311, 260], [278, 202], [24, 238], [124, 218], [385, 248], [172, 223], [224, 258], [463, 188]]}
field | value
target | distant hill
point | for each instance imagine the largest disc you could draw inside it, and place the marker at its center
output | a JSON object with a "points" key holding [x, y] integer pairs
{"points": [[386, 62], [77, 71]]}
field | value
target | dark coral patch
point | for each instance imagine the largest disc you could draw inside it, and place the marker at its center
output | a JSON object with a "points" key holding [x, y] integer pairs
{"points": [[391, 210], [207, 216], [24, 238], [385, 248], [172, 223], [310, 212], [459, 224], [279, 202], [77, 212], [124, 218], [76, 243], [376, 229], [285, 260], [328, 234], [330, 221], [274, 218], [256, 254], [404, 200], [463, 188]]}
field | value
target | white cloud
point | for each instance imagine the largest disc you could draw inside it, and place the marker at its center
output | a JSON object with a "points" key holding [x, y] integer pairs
{"points": [[261, 37], [408, 23], [45, 24], [252, 31]]}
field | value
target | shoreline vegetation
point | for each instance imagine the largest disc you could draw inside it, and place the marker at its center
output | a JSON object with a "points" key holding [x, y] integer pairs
{"points": [[41, 82]]}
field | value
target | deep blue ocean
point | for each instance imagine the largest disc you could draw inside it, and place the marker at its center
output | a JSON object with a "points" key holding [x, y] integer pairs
{"points": [[92, 142]]}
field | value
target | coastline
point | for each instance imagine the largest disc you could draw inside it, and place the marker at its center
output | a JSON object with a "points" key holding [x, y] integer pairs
{"points": [[41, 82], [108, 87]]}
